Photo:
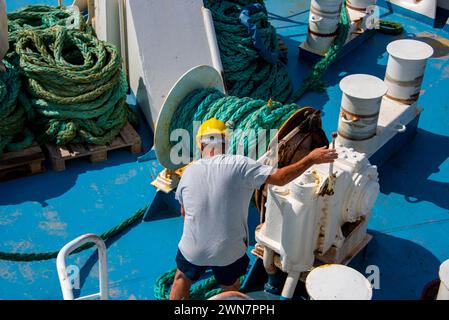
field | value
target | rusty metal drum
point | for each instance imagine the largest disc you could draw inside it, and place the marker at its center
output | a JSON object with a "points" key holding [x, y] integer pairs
{"points": [[360, 106], [405, 69], [324, 20]]}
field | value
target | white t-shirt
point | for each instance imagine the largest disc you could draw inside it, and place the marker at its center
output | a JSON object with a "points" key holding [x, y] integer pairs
{"points": [[215, 193]]}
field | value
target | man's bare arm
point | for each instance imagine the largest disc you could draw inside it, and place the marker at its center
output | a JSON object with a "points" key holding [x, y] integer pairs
{"points": [[287, 174]]}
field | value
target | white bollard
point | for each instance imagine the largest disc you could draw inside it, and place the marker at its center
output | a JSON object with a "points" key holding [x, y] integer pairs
{"points": [[324, 20], [358, 9], [362, 15], [443, 292], [405, 69], [362, 97], [337, 282]]}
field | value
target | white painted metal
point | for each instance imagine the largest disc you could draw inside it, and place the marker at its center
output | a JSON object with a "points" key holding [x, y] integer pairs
{"points": [[123, 32], [302, 222], [107, 21], [212, 40], [4, 46], [164, 56], [405, 69], [358, 10], [393, 119], [196, 78], [324, 19], [424, 7], [337, 282], [443, 292], [61, 266], [362, 97], [81, 4]]}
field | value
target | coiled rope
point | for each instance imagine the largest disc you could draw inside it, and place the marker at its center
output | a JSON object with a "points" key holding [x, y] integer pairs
{"points": [[242, 115], [41, 17], [247, 74], [13, 133], [75, 85]]}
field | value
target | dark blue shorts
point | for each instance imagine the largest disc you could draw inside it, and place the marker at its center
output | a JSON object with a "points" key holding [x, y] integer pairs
{"points": [[225, 276]]}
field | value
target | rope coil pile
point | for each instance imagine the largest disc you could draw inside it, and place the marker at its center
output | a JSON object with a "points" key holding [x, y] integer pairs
{"points": [[14, 135], [247, 74], [74, 84], [42, 17]]}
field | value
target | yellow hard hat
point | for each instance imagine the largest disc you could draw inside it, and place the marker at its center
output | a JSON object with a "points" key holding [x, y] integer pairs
{"points": [[211, 127]]}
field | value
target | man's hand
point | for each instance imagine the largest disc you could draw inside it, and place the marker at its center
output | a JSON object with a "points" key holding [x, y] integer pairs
{"points": [[287, 174], [322, 155]]}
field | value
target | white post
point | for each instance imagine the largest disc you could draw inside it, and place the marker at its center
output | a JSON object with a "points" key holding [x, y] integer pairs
{"points": [[212, 40], [323, 24], [290, 285], [61, 266], [360, 106], [443, 292], [405, 69]]}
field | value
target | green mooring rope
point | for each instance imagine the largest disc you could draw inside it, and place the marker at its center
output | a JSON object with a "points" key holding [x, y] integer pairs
{"points": [[74, 84], [391, 27], [41, 17], [240, 114], [29, 257], [201, 291], [13, 133], [247, 74]]}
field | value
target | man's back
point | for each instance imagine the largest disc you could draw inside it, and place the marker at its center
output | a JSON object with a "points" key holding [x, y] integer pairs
{"points": [[215, 193]]}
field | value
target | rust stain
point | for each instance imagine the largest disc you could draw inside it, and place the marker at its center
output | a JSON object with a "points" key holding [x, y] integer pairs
{"points": [[439, 44]]}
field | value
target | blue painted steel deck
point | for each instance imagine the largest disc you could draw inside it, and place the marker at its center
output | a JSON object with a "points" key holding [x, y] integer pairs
{"points": [[410, 222]]}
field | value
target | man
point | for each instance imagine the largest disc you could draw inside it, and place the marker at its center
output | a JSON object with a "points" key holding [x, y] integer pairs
{"points": [[214, 194]]}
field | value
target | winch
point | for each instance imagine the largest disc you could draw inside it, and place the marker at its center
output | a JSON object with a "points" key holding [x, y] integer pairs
{"points": [[321, 215]]}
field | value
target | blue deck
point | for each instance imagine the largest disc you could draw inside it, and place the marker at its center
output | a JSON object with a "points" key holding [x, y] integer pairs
{"points": [[410, 222]]}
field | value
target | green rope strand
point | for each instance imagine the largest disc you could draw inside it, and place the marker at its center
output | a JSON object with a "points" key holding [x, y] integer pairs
{"points": [[39, 18], [242, 115], [75, 86], [201, 291], [29, 257], [13, 133], [247, 74]]}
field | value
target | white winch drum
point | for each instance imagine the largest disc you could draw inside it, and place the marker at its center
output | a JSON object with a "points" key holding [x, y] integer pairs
{"points": [[337, 282], [360, 106], [323, 24], [443, 292], [405, 69]]}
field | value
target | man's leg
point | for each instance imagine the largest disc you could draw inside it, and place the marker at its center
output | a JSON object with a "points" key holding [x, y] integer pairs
{"points": [[181, 287], [229, 276]]}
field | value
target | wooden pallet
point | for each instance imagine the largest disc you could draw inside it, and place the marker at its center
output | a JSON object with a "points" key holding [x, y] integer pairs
{"points": [[22, 163], [128, 138]]}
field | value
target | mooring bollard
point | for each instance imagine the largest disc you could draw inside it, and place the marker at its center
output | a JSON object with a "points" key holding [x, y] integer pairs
{"points": [[405, 69], [443, 292], [360, 106], [323, 24], [337, 282]]}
